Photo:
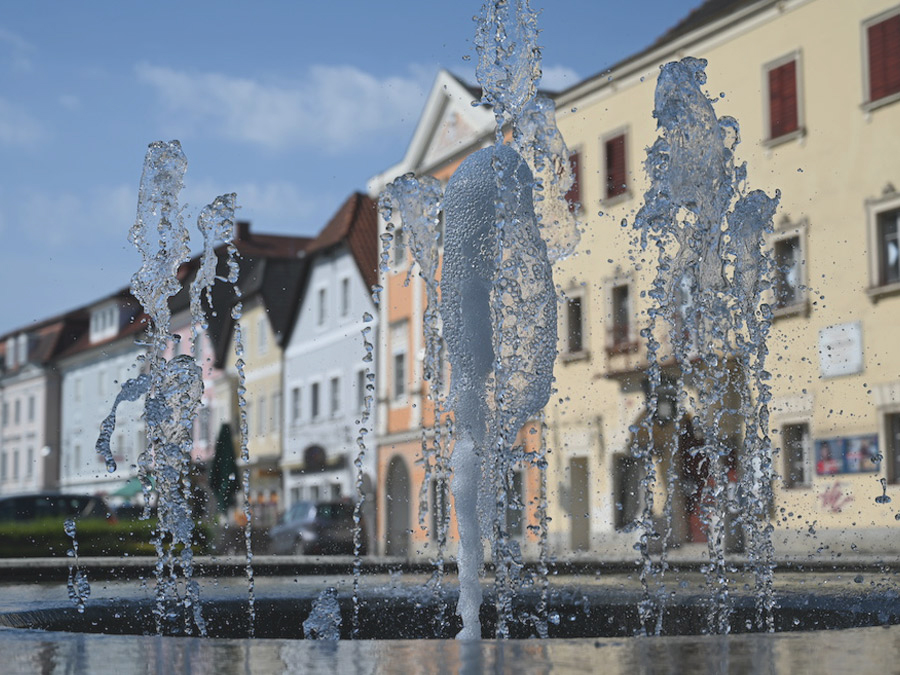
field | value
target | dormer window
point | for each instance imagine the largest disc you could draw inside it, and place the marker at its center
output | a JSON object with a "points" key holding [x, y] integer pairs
{"points": [[10, 353], [104, 322], [22, 349]]}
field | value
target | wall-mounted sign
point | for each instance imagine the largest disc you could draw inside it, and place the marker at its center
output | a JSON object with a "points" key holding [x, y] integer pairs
{"points": [[840, 349], [851, 454]]}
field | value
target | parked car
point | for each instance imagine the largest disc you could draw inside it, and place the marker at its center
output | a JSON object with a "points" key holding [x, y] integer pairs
{"points": [[19, 508], [309, 528]]}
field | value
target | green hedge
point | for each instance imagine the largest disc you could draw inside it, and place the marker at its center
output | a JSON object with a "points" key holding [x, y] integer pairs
{"points": [[96, 537]]}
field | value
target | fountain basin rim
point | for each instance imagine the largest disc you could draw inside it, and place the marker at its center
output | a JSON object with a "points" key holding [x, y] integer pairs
{"points": [[53, 569]]}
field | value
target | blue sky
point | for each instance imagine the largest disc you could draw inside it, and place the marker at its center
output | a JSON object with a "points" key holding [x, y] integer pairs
{"points": [[293, 105]]}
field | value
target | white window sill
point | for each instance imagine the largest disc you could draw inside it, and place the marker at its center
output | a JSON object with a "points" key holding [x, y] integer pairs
{"points": [[799, 308], [785, 138], [887, 100], [875, 293], [570, 357]]}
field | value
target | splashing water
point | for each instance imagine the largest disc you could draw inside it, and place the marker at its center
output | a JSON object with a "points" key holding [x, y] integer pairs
{"points": [[324, 622], [418, 201], [172, 389], [537, 138], [499, 318], [712, 271], [79, 588]]}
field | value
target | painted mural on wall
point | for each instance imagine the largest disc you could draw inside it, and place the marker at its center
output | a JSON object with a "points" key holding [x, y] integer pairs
{"points": [[849, 454]]}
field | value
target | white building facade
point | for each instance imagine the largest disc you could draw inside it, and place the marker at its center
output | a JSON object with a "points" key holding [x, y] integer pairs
{"points": [[324, 371]]}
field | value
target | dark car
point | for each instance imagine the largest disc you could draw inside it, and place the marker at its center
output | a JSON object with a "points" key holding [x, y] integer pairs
{"points": [[19, 508], [309, 528]]}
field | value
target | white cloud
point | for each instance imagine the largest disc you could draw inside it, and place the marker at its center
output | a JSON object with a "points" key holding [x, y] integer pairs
{"points": [[557, 78], [18, 127], [58, 220], [333, 108], [18, 51]]}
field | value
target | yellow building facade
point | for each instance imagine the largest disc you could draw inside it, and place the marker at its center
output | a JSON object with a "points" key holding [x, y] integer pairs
{"points": [[814, 88]]}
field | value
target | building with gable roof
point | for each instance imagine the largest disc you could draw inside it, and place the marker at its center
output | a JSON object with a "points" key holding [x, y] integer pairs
{"points": [[324, 371]]}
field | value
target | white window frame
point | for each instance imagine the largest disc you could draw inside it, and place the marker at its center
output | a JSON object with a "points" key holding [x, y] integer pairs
{"points": [[345, 301], [806, 480], [612, 346], [334, 395], [315, 400], [889, 201], [399, 347], [769, 141], [790, 230], [321, 306], [576, 293]]}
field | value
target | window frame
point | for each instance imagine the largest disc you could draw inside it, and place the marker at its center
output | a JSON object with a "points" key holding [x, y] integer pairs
{"points": [[630, 343], [625, 132], [567, 353], [574, 195], [868, 104], [889, 201], [791, 230], [805, 481], [771, 141], [890, 453]]}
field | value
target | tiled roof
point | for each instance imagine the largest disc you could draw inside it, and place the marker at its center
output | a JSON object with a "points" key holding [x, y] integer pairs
{"points": [[700, 16], [356, 225]]}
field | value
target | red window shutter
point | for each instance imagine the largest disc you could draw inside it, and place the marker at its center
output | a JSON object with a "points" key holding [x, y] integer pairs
{"points": [[884, 58], [783, 116], [573, 196], [615, 166]]}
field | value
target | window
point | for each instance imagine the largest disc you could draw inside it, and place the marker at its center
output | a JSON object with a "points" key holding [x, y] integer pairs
{"points": [[440, 505], [15, 465], [892, 451], [399, 375], [2, 466], [614, 156], [620, 317], [23, 349], [10, 352], [795, 449], [399, 349], [17, 407], [335, 396], [784, 105], [276, 411], [31, 408], [77, 387], [574, 325], [261, 417], [789, 278], [29, 463], [515, 498], [314, 403], [5, 413], [399, 247], [323, 298], [203, 421], [888, 248], [573, 196], [295, 405], [361, 390], [882, 41], [345, 297], [262, 334], [884, 243]]}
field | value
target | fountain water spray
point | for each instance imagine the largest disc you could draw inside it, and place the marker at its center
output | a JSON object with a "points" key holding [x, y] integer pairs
{"points": [[172, 388], [712, 270]]}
